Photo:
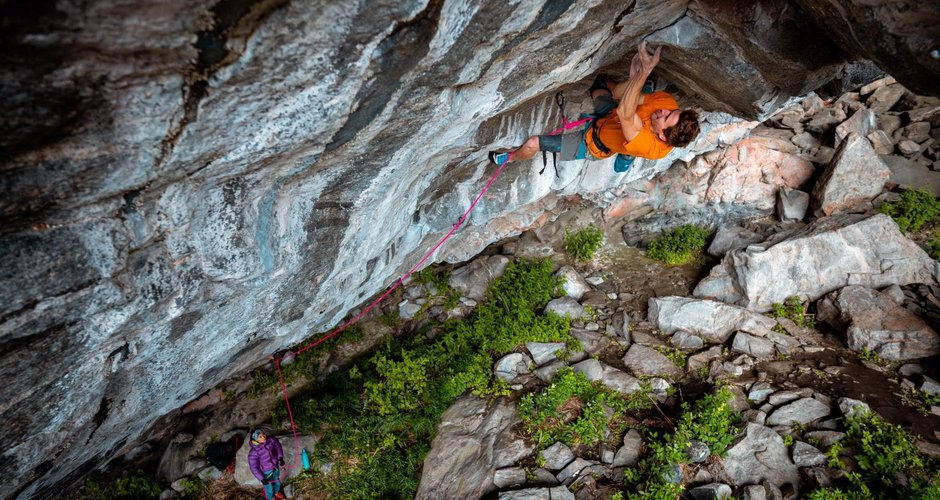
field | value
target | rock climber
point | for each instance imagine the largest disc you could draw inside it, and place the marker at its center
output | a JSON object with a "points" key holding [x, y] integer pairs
{"points": [[265, 459], [646, 123]]}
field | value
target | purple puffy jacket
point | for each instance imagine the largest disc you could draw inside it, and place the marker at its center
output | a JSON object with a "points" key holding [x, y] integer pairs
{"points": [[264, 457]]}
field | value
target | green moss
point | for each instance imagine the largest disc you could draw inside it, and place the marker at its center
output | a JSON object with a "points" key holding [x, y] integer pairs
{"points": [[676, 355], [711, 421], [378, 424], [584, 243], [573, 410], [888, 464], [933, 245], [792, 309], [680, 245], [131, 486], [915, 209]]}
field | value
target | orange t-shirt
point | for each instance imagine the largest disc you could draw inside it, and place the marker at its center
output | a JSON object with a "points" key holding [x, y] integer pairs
{"points": [[645, 144]]}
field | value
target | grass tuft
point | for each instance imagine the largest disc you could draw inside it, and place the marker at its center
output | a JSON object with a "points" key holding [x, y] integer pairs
{"points": [[680, 245], [584, 243]]}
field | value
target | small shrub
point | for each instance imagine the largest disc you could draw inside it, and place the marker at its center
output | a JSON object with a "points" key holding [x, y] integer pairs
{"points": [[676, 355], [884, 454], [680, 245], [792, 309], [572, 410], [390, 318], [712, 421], [582, 244], [933, 245], [915, 208], [131, 485]]}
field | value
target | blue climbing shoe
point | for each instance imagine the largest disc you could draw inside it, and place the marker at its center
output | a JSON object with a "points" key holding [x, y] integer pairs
{"points": [[499, 157], [649, 87]]}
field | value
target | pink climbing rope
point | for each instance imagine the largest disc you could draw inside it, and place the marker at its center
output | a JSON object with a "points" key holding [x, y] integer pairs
{"points": [[566, 125]]}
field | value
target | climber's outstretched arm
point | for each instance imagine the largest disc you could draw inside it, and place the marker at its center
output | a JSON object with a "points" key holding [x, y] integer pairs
{"points": [[630, 92]]}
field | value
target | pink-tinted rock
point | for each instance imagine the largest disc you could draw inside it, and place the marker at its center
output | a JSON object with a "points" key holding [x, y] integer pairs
{"points": [[873, 321], [854, 176], [825, 256]]}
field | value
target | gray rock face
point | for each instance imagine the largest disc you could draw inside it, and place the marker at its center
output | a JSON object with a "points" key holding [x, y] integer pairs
{"points": [[556, 493], [730, 237], [759, 455], [511, 366], [827, 255], [566, 307], [509, 477], [642, 360], [472, 442], [473, 279], [805, 455], [714, 321], [575, 285], [629, 454], [544, 352], [873, 321], [801, 411], [753, 345], [557, 456], [904, 30], [854, 176], [158, 195], [792, 204], [713, 491]]}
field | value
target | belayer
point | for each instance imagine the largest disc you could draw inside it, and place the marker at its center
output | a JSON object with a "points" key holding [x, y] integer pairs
{"points": [[265, 459], [630, 119]]}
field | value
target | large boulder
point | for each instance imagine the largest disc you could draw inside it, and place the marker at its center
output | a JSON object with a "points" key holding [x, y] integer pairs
{"points": [[854, 176], [827, 255], [473, 440], [873, 321], [757, 455], [714, 321]]}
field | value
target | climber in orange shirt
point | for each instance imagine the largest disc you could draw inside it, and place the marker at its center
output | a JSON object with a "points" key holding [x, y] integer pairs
{"points": [[644, 123]]}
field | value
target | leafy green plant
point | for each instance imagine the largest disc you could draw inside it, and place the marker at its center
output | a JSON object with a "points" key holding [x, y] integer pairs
{"points": [[884, 454], [390, 318], [788, 440], [582, 244], [131, 485], [377, 420], [792, 309], [915, 208], [572, 410], [304, 365], [933, 245], [712, 421], [676, 355], [680, 245], [919, 399]]}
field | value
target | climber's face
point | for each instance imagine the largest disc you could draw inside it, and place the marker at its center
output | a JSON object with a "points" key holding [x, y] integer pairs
{"points": [[663, 119]]}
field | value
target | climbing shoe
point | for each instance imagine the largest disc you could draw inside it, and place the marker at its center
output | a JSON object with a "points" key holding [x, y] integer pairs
{"points": [[499, 157], [649, 87], [600, 83]]}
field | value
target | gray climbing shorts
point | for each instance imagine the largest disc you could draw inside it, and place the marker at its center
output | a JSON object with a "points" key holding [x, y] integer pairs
{"points": [[571, 146]]}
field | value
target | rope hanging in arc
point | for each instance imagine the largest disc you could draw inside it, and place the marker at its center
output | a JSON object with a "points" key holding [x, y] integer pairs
{"points": [[566, 125]]}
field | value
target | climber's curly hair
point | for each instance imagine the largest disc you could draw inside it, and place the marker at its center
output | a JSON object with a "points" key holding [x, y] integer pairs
{"points": [[684, 131]]}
